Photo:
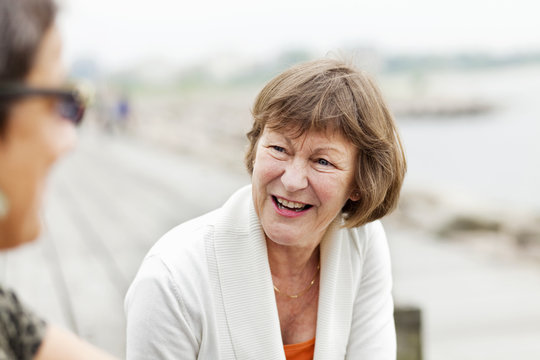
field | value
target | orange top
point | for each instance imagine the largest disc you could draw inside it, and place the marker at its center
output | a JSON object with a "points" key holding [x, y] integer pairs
{"points": [[300, 351]]}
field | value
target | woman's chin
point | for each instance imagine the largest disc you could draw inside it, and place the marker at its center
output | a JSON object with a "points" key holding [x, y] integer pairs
{"points": [[14, 235], [283, 237]]}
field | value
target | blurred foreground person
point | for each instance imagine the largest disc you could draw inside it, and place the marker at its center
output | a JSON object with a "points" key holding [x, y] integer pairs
{"points": [[37, 118], [295, 265]]}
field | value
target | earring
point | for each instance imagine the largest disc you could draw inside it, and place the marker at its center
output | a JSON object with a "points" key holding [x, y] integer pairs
{"points": [[4, 205]]}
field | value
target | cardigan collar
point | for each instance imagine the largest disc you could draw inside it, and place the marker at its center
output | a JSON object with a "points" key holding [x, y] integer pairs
{"points": [[248, 294]]}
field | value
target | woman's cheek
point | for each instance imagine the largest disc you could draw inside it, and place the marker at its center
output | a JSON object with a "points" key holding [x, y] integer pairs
{"points": [[60, 137], [327, 187]]}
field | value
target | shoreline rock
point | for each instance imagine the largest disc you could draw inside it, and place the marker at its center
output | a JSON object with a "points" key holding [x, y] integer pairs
{"points": [[498, 231]]}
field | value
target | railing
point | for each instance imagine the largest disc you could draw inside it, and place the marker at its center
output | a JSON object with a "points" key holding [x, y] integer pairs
{"points": [[409, 332]]}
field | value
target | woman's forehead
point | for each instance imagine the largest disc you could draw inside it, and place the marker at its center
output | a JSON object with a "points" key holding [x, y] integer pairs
{"points": [[295, 131], [315, 139]]}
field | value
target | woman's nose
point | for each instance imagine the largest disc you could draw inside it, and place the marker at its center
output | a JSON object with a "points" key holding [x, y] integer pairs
{"points": [[295, 177]]}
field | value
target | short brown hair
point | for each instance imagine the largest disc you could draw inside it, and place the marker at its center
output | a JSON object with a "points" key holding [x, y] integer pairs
{"points": [[23, 24], [324, 95]]}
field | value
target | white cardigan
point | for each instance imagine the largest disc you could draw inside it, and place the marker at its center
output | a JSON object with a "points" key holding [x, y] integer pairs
{"points": [[204, 291]]}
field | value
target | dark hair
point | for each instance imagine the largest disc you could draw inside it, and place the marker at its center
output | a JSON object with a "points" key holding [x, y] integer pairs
{"points": [[328, 95], [22, 26]]}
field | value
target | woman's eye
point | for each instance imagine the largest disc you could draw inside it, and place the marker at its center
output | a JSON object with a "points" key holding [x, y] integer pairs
{"points": [[323, 162], [278, 148]]}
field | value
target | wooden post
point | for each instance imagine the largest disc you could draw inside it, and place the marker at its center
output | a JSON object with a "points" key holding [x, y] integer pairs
{"points": [[409, 332]]}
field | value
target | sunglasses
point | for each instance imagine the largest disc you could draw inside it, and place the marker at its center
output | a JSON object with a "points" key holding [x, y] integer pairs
{"points": [[70, 105]]}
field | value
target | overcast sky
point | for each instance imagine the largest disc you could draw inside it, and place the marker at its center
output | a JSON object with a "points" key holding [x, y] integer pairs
{"points": [[119, 33]]}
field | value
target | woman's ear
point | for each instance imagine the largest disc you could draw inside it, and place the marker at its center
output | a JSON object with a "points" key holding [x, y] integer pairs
{"points": [[355, 195]]}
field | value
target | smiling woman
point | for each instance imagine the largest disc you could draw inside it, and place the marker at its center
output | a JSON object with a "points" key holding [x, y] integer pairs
{"points": [[296, 265], [300, 184]]}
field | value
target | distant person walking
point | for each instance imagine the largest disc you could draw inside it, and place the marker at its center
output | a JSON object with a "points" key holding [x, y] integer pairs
{"points": [[37, 118], [122, 112]]}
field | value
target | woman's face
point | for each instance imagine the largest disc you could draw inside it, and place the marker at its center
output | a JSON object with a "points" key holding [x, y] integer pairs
{"points": [[301, 184], [34, 138]]}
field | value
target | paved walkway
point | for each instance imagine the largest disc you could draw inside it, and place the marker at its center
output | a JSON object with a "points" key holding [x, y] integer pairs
{"points": [[108, 202], [113, 198]]}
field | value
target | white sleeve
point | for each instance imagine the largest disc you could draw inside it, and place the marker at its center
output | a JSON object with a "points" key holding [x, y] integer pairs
{"points": [[158, 324], [373, 334]]}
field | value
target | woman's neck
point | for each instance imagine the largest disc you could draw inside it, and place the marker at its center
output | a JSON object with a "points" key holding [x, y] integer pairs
{"points": [[292, 263]]}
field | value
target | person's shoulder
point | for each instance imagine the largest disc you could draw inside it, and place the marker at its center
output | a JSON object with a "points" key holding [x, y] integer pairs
{"points": [[190, 235], [365, 239], [181, 255], [369, 252], [374, 230], [185, 240], [184, 247], [364, 234], [176, 261], [186, 232], [23, 330]]}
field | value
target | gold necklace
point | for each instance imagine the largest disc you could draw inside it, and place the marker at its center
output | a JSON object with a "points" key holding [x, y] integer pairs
{"points": [[295, 296]]}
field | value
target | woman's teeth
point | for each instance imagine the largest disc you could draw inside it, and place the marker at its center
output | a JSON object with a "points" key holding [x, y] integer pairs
{"points": [[291, 205]]}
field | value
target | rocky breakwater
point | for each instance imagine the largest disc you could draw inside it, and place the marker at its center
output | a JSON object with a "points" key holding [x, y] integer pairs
{"points": [[495, 230]]}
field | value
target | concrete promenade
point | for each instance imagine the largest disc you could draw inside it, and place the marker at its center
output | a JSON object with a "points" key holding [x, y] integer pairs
{"points": [[111, 199]]}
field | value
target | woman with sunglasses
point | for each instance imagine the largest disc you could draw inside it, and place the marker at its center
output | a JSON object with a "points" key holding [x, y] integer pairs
{"points": [[37, 118]]}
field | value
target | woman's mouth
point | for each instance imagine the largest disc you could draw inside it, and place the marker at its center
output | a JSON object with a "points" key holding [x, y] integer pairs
{"points": [[286, 205]]}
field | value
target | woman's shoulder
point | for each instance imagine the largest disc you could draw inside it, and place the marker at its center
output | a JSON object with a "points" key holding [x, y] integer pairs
{"points": [[190, 234], [369, 255], [185, 243], [176, 266], [22, 330], [184, 234], [368, 245], [184, 249], [366, 235]]}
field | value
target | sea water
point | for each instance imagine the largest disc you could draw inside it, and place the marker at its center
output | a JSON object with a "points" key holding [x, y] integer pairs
{"points": [[493, 157]]}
